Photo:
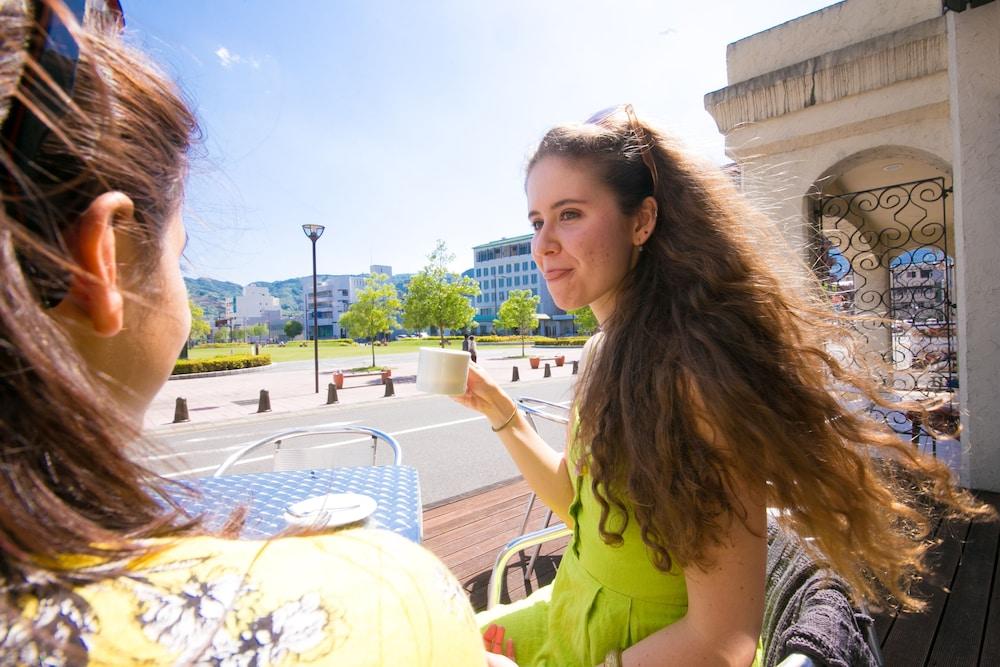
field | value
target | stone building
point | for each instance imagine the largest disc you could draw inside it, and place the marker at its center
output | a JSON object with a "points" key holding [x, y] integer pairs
{"points": [[872, 130]]}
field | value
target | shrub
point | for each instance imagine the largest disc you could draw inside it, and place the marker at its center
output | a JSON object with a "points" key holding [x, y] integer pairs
{"points": [[575, 341], [219, 346], [186, 366], [491, 338]]}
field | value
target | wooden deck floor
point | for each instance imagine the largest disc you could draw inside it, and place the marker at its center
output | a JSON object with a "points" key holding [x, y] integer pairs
{"points": [[960, 627]]}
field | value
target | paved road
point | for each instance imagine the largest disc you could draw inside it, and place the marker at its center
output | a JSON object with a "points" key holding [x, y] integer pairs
{"points": [[451, 446]]}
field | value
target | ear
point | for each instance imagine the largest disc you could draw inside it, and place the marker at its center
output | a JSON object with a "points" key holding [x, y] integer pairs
{"points": [[94, 291], [645, 221]]}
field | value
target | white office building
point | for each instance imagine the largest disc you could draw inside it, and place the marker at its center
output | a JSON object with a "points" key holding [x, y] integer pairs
{"points": [[334, 295], [254, 303]]}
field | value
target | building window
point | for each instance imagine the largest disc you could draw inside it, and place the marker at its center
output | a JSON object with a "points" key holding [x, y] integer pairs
{"points": [[925, 273], [508, 282], [508, 268], [517, 280], [524, 266], [534, 279], [500, 269], [533, 265], [477, 273], [493, 270]]}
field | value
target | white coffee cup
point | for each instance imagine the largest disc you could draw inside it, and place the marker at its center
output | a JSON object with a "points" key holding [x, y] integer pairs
{"points": [[441, 371]]}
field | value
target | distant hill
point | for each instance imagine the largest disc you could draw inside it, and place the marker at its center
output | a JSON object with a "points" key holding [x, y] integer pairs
{"points": [[289, 292], [211, 294], [208, 293]]}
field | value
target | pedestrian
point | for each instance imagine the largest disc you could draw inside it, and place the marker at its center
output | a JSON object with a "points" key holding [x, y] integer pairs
{"points": [[472, 348], [708, 396], [465, 343], [100, 565]]}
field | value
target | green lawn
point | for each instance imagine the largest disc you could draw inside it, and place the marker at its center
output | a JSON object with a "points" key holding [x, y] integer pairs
{"points": [[293, 351]]}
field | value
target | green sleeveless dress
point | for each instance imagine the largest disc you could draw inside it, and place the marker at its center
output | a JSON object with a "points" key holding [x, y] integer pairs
{"points": [[603, 597]]}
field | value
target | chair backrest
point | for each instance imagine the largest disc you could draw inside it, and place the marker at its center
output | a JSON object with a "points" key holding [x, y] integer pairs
{"points": [[289, 458], [808, 610], [536, 407]]}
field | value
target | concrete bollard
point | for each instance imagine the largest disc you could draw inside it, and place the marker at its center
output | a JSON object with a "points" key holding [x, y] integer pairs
{"points": [[264, 403], [181, 411], [331, 394], [515, 376], [389, 390], [576, 367], [548, 371]]}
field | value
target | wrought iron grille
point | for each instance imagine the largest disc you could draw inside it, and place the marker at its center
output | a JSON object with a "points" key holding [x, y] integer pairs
{"points": [[885, 253]]}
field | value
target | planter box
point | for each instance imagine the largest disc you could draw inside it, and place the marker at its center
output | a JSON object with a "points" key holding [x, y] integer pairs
{"points": [[534, 361], [338, 380], [560, 360]]}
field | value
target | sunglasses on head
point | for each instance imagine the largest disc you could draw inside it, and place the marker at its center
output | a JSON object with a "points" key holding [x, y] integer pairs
{"points": [[44, 92], [49, 74], [635, 127]]}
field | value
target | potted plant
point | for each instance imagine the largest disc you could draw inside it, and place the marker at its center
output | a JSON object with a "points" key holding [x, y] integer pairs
{"points": [[338, 379], [534, 361], [560, 359]]}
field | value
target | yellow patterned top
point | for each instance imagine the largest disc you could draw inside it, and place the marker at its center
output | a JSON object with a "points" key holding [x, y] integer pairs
{"points": [[356, 597]]}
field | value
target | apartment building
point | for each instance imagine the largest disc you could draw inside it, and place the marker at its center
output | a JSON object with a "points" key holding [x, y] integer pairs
{"points": [[334, 296], [505, 265]]}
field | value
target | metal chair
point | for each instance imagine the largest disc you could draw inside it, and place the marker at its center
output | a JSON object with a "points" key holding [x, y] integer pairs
{"points": [[793, 585], [288, 458], [558, 414], [553, 412]]}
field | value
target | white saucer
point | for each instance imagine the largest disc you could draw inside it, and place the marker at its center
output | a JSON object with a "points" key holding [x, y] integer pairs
{"points": [[330, 510]]}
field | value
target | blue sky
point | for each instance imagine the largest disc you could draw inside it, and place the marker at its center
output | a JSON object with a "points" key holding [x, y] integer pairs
{"points": [[395, 123]]}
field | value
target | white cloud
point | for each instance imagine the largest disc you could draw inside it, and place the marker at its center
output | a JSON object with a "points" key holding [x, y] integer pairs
{"points": [[227, 58]]}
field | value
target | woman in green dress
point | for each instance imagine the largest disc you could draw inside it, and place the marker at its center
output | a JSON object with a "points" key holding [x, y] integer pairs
{"points": [[708, 395]]}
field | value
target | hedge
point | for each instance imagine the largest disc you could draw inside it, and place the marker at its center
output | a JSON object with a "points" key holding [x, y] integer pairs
{"points": [[330, 342], [575, 341], [186, 366]]}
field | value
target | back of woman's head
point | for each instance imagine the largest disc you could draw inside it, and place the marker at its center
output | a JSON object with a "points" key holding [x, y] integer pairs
{"points": [[68, 485], [719, 322]]}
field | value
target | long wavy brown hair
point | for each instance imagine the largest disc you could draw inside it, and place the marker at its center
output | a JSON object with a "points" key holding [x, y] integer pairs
{"points": [[67, 483], [716, 315]]}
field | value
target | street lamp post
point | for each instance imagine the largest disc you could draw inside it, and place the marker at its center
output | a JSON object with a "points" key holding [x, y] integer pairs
{"points": [[314, 232]]}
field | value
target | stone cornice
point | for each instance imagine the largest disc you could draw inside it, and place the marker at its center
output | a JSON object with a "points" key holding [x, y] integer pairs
{"points": [[914, 52]]}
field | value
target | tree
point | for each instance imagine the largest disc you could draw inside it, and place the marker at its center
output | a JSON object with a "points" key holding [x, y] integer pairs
{"points": [[376, 310], [586, 321], [239, 333], [518, 312], [259, 331], [436, 297], [199, 327], [293, 328], [223, 334]]}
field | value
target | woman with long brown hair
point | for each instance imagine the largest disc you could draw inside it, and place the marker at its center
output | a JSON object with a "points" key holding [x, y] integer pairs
{"points": [[711, 393], [97, 564]]}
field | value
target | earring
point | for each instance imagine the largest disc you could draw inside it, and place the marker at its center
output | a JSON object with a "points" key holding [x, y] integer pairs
{"points": [[640, 247]]}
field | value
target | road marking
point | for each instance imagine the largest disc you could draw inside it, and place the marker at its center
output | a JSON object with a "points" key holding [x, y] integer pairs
{"points": [[219, 450], [251, 433], [257, 459]]}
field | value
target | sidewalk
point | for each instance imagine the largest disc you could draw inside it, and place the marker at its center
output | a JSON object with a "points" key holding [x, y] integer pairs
{"points": [[235, 397]]}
